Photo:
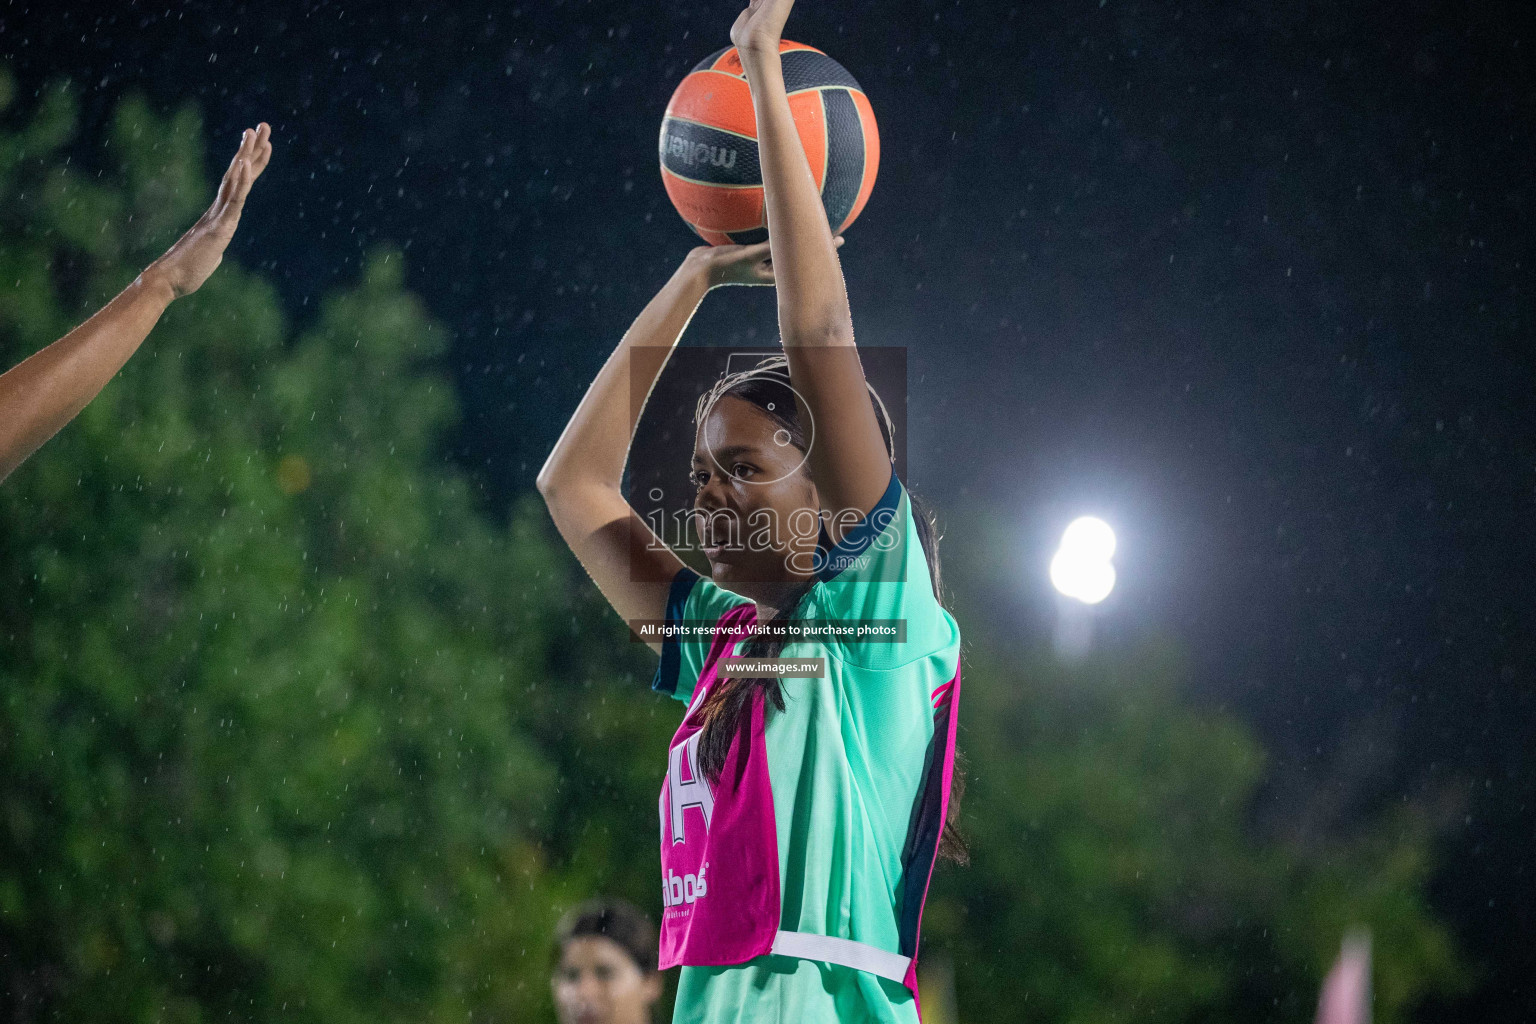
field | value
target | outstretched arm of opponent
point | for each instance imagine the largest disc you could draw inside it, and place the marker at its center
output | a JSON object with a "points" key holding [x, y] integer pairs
{"points": [[847, 458], [581, 479], [44, 392]]}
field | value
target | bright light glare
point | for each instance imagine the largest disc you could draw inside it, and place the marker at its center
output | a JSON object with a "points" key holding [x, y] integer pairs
{"points": [[1090, 538], [1081, 568], [1089, 582]]}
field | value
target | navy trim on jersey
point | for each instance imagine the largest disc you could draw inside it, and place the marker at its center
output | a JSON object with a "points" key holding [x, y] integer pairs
{"points": [[832, 559], [665, 680], [924, 831]]}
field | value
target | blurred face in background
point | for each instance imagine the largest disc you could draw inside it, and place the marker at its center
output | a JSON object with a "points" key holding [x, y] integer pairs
{"points": [[597, 982]]}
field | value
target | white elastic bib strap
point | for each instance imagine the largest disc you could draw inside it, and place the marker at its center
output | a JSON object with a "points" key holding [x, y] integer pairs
{"points": [[861, 956]]}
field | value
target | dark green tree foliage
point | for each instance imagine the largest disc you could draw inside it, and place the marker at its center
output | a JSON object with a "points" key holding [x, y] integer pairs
{"points": [[292, 729], [1119, 872], [268, 724]]}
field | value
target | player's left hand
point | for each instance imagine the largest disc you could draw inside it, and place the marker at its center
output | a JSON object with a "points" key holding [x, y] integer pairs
{"points": [[197, 254], [759, 28]]}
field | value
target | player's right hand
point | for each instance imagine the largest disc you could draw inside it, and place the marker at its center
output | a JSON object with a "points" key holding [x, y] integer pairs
{"points": [[737, 264]]}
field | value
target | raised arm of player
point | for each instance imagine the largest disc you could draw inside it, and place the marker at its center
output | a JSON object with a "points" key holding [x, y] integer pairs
{"points": [[45, 391], [581, 480], [848, 459]]}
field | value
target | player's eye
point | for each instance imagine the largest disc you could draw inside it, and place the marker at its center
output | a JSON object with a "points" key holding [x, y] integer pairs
{"points": [[700, 477], [741, 470]]}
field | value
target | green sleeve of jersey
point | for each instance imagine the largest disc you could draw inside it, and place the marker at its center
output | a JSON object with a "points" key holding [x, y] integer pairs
{"points": [[693, 601], [879, 571]]}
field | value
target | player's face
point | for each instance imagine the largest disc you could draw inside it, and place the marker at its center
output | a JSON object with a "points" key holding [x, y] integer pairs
{"points": [[598, 983], [755, 507]]}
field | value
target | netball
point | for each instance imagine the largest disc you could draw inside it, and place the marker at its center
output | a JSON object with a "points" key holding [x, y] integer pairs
{"points": [[708, 147]]}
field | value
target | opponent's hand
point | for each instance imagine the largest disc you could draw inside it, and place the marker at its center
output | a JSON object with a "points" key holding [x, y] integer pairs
{"points": [[197, 254], [736, 264], [759, 28]]}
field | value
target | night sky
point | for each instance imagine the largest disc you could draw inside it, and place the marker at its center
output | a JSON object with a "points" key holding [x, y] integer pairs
{"points": [[1250, 280]]}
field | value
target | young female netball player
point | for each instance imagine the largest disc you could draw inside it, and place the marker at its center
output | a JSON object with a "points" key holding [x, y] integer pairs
{"points": [[800, 818], [44, 392]]}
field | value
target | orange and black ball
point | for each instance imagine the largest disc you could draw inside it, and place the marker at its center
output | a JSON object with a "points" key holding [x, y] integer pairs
{"points": [[708, 144]]}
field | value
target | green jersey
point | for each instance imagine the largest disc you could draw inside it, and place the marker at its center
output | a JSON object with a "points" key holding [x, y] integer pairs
{"points": [[845, 761]]}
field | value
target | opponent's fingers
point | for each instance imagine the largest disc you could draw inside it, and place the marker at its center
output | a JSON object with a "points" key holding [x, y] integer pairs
{"points": [[261, 149], [226, 183], [239, 164], [255, 151], [221, 220], [244, 175]]}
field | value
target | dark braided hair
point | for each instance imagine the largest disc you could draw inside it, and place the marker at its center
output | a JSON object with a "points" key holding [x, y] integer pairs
{"points": [[767, 386]]}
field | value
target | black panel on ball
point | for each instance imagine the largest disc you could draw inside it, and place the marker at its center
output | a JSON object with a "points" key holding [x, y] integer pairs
{"points": [[701, 153], [748, 237], [845, 156], [704, 64], [807, 69]]}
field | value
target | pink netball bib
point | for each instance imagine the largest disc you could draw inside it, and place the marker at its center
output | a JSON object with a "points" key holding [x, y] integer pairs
{"points": [[719, 844]]}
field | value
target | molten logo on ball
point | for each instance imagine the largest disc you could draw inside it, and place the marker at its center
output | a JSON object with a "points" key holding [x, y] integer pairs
{"points": [[686, 151]]}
